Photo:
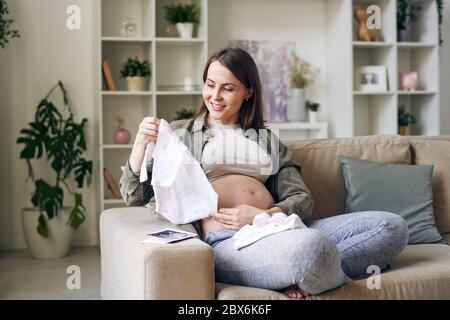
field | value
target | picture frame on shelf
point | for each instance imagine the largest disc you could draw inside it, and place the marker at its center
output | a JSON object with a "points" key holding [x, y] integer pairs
{"points": [[372, 79]]}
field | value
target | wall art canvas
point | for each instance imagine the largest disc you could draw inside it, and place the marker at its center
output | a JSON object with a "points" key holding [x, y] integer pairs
{"points": [[274, 61]]}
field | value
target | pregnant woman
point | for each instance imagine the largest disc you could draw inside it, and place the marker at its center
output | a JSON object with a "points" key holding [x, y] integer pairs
{"points": [[298, 262]]}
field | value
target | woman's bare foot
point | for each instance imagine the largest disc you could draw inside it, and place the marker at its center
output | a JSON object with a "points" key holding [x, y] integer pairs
{"points": [[295, 292]]}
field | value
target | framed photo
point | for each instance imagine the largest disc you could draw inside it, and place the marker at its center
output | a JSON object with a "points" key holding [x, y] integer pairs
{"points": [[372, 79]]}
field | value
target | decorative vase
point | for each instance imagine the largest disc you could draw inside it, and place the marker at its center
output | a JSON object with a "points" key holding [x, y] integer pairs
{"points": [[404, 130], [122, 136], [403, 35], [312, 116], [60, 234], [136, 83], [185, 29], [296, 107]]}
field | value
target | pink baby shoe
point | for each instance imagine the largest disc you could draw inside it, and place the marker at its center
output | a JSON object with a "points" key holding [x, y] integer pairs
{"points": [[261, 219], [278, 218]]}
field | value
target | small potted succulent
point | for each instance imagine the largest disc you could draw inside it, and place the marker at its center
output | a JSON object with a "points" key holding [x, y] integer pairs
{"points": [[313, 108], [405, 120], [184, 17], [302, 75], [136, 72]]}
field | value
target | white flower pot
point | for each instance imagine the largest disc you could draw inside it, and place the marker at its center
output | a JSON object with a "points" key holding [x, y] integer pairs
{"points": [[313, 116], [60, 234], [136, 83], [296, 107], [185, 30]]}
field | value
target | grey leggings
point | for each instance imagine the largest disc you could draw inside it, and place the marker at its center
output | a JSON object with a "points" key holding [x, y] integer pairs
{"points": [[316, 258]]}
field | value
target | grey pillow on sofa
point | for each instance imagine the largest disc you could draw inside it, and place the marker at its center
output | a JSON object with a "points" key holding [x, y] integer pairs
{"points": [[397, 188]]}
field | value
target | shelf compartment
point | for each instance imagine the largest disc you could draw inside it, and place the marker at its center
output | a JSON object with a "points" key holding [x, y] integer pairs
{"points": [[375, 56], [375, 115], [424, 61], [113, 160], [388, 14], [132, 109], [117, 54], [168, 104], [114, 13], [426, 110], [162, 25], [424, 29], [175, 63]]}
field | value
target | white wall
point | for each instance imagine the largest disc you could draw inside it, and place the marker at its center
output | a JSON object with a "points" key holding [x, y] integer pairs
{"points": [[46, 52], [266, 20]]}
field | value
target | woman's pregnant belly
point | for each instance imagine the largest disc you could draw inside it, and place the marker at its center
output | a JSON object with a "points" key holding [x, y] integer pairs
{"points": [[234, 190]]}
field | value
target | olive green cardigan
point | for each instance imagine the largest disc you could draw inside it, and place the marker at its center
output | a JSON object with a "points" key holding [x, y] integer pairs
{"points": [[285, 184]]}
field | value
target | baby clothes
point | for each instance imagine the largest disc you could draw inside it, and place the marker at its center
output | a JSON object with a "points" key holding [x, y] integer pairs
{"points": [[182, 191], [264, 225]]}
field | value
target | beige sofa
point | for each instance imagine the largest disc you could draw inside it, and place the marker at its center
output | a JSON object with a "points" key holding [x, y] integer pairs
{"points": [[185, 270]]}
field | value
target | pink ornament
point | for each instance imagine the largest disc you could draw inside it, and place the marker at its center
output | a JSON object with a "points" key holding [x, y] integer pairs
{"points": [[122, 136], [408, 81]]}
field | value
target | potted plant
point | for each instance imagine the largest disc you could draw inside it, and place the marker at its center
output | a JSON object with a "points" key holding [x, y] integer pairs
{"points": [[184, 113], [5, 25], [135, 73], [49, 225], [302, 75], [406, 14], [313, 108], [183, 16], [405, 120]]}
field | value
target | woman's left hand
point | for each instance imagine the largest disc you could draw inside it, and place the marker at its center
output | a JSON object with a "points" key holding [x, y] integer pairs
{"points": [[235, 218]]}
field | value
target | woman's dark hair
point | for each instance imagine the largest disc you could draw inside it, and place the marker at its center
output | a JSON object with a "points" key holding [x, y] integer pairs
{"points": [[243, 67]]}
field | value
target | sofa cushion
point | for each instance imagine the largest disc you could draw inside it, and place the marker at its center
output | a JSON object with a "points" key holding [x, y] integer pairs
{"points": [[322, 171], [436, 151], [419, 272], [402, 189]]}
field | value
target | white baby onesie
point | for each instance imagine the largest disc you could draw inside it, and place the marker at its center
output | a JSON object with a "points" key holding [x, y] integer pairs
{"points": [[183, 194], [264, 225]]}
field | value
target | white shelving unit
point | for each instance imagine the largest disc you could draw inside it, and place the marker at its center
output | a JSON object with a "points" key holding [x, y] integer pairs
{"points": [[171, 59], [353, 112]]}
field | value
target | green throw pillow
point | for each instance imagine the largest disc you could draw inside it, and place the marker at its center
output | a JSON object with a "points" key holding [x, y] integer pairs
{"points": [[398, 188]]}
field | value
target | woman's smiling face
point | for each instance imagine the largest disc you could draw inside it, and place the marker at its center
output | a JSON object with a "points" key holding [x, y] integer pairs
{"points": [[223, 94]]}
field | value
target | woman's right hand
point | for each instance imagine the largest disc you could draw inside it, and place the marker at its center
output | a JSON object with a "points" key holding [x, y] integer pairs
{"points": [[148, 130]]}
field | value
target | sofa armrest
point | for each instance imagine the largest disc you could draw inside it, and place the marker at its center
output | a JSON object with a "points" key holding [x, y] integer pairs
{"points": [[132, 270]]}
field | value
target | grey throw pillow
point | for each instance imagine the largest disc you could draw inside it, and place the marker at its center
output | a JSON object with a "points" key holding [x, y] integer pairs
{"points": [[398, 188]]}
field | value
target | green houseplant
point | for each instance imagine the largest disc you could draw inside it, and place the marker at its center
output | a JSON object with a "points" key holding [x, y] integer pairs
{"points": [[5, 25], [61, 139], [135, 73], [303, 74], [405, 120], [313, 108], [183, 16]]}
